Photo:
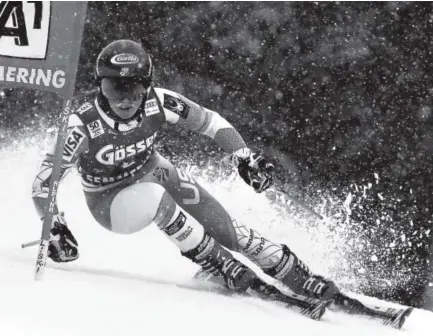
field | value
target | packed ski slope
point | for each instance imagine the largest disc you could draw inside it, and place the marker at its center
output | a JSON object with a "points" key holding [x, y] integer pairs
{"points": [[139, 284]]}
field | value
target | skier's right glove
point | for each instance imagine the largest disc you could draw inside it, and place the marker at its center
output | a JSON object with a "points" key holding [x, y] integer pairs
{"points": [[63, 246], [253, 168]]}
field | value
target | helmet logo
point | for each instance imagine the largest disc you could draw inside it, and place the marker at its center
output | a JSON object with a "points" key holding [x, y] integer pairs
{"points": [[123, 59], [124, 71]]}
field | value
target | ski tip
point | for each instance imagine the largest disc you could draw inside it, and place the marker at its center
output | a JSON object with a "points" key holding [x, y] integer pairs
{"points": [[399, 318], [329, 303], [408, 311], [317, 310], [406, 314]]}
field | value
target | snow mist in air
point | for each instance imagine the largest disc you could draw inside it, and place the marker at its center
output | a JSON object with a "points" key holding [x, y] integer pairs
{"points": [[331, 247]]}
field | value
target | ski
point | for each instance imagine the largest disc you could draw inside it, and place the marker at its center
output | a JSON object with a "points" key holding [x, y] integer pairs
{"points": [[312, 308], [393, 317]]}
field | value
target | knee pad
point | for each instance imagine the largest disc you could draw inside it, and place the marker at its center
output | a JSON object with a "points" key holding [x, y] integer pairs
{"points": [[135, 207]]}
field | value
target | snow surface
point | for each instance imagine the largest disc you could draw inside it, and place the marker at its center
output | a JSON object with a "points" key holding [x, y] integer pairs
{"points": [[139, 284]]}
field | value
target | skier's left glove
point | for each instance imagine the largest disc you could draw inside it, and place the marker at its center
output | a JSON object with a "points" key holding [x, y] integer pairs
{"points": [[63, 246], [254, 168]]}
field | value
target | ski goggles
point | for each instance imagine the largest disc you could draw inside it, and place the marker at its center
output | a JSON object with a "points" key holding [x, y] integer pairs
{"points": [[122, 88]]}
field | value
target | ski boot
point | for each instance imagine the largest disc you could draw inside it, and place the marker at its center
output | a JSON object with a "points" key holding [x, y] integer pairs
{"points": [[221, 268], [294, 274]]}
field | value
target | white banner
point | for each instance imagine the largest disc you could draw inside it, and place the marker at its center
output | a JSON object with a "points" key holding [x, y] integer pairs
{"points": [[40, 43]]}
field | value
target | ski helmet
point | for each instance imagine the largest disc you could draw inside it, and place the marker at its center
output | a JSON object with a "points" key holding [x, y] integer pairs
{"points": [[123, 68]]}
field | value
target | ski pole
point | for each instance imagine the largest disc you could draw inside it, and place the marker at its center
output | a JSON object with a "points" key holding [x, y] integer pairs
{"points": [[32, 243], [302, 205]]}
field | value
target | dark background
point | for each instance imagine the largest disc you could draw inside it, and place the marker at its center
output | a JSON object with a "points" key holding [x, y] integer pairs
{"points": [[338, 93]]}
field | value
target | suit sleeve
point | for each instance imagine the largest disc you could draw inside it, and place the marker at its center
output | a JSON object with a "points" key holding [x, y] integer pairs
{"points": [[75, 144], [181, 111]]}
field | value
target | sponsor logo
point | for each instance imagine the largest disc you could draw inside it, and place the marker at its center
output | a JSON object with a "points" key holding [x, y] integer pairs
{"points": [[64, 116], [24, 28], [205, 247], [53, 199], [151, 107], [83, 108], [127, 164], [177, 225], [123, 59], [185, 234], [41, 77], [250, 240], [111, 155], [176, 105], [104, 180], [72, 143], [161, 174], [95, 129], [187, 182], [282, 263], [41, 261], [284, 266], [185, 176], [259, 247]]}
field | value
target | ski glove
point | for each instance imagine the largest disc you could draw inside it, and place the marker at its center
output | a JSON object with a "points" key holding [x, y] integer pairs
{"points": [[63, 246], [253, 168]]}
